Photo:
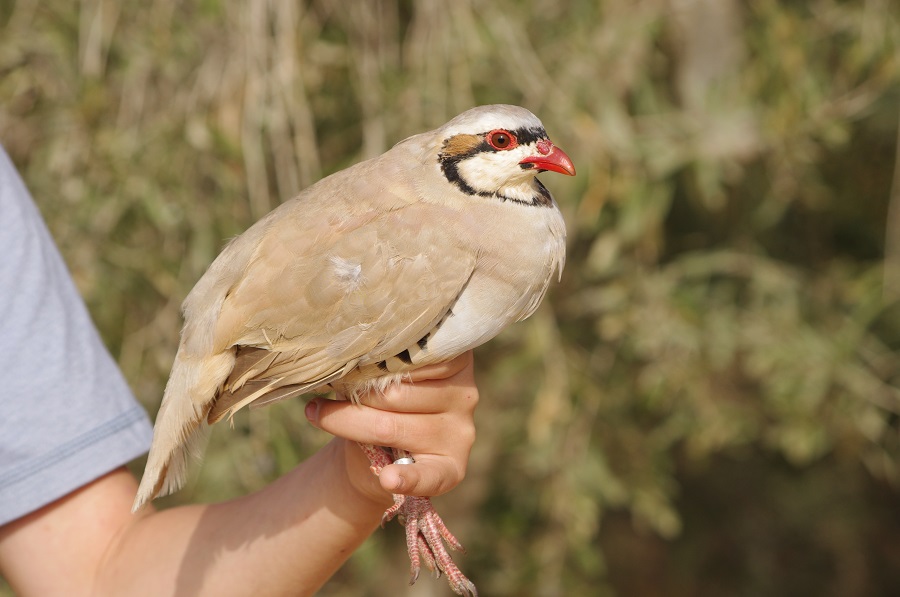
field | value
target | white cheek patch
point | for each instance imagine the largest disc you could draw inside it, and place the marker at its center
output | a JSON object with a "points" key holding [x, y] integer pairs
{"points": [[489, 172]]}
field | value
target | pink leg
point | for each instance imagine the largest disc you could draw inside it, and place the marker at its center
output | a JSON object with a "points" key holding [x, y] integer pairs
{"points": [[425, 531], [378, 458]]}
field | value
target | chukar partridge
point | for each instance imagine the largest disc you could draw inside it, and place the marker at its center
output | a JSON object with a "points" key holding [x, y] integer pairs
{"points": [[404, 260]]}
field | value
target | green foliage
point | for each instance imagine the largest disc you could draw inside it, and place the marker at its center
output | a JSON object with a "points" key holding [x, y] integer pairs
{"points": [[707, 403]]}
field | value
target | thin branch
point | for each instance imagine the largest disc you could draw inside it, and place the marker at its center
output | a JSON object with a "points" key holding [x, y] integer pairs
{"points": [[892, 232]]}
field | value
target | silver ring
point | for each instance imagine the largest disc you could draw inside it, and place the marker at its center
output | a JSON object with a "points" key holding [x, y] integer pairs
{"points": [[405, 460]]}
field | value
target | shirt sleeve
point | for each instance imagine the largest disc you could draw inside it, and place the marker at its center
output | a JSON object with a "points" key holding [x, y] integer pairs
{"points": [[67, 415]]}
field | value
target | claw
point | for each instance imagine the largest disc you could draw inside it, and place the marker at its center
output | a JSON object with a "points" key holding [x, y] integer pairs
{"points": [[426, 536], [426, 533], [466, 589], [391, 512]]}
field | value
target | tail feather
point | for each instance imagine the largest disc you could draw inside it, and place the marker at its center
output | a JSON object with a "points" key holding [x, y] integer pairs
{"points": [[181, 427]]}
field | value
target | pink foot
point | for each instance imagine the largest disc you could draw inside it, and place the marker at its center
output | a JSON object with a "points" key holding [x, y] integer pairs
{"points": [[425, 532], [425, 537]]}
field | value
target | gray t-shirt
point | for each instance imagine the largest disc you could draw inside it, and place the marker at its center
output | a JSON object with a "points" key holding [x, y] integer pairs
{"points": [[67, 416]]}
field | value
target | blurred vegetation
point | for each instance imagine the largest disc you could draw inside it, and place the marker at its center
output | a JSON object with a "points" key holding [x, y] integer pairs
{"points": [[708, 403]]}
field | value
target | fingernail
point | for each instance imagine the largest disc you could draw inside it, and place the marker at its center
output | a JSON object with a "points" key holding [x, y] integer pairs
{"points": [[312, 411], [398, 485]]}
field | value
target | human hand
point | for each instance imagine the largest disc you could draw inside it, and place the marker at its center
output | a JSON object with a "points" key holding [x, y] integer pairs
{"points": [[431, 416]]}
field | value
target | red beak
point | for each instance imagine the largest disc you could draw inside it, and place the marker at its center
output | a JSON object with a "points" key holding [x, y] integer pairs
{"points": [[554, 160]]}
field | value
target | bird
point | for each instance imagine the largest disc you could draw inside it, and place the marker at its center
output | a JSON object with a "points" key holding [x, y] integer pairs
{"points": [[400, 261]]}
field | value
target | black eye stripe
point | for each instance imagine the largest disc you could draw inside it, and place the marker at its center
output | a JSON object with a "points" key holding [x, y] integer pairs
{"points": [[524, 135]]}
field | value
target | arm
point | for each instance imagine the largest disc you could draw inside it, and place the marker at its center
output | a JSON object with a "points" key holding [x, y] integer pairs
{"points": [[289, 537]]}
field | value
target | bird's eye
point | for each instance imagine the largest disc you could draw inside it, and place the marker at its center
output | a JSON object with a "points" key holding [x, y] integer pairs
{"points": [[502, 140]]}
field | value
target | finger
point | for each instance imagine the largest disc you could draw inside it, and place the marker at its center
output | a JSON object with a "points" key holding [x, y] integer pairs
{"points": [[408, 431], [425, 397], [436, 388], [443, 370], [430, 476]]}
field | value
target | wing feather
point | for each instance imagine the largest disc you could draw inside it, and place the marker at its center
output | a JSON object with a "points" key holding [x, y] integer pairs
{"points": [[351, 272]]}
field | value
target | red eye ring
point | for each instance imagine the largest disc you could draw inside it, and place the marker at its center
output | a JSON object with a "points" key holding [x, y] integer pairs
{"points": [[502, 140]]}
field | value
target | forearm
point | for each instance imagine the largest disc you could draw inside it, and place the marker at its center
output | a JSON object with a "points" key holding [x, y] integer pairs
{"points": [[288, 538]]}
